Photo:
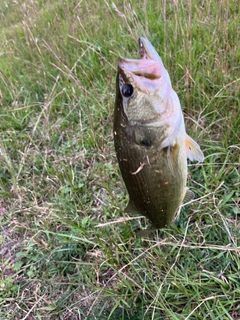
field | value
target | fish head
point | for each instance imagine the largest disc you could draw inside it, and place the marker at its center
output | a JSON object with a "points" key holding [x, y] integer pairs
{"points": [[145, 86], [147, 98]]}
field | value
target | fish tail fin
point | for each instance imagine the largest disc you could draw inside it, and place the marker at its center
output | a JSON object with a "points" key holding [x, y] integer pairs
{"points": [[193, 150], [189, 195]]}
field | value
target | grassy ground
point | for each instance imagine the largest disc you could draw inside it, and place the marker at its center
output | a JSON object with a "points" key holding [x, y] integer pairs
{"points": [[59, 179]]}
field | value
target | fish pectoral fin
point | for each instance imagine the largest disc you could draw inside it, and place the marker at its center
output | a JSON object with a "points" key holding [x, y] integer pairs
{"points": [[193, 150], [172, 152], [170, 161], [189, 195]]}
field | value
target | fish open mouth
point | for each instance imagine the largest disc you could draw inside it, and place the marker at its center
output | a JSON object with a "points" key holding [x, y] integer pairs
{"points": [[149, 66]]}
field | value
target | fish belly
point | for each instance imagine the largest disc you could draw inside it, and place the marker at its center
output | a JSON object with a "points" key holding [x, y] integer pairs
{"points": [[155, 190]]}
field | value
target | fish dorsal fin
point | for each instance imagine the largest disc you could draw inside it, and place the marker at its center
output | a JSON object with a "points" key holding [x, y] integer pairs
{"points": [[193, 150], [189, 195]]}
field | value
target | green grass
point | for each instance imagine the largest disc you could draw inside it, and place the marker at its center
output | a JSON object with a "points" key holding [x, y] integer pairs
{"points": [[61, 257]]}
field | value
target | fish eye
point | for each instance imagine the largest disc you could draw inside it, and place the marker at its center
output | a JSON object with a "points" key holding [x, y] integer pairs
{"points": [[127, 90]]}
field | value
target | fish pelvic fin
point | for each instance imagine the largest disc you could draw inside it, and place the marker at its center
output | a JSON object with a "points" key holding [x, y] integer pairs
{"points": [[193, 150], [189, 195], [131, 209]]}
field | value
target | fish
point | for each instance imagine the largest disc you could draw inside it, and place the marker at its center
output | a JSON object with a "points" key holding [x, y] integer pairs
{"points": [[151, 143]]}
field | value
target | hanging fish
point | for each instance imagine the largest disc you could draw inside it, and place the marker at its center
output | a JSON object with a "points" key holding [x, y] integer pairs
{"points": [[150, 139]]}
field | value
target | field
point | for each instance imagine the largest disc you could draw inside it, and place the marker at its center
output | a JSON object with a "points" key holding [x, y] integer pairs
{"points": [[67, 249]]}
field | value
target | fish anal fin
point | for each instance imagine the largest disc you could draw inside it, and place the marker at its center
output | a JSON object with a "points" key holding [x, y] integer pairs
{"points": [[189, 195], [193, 150]]}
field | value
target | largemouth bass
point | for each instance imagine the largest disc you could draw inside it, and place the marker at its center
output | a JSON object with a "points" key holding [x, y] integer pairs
{"points": [[150, 139]]}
